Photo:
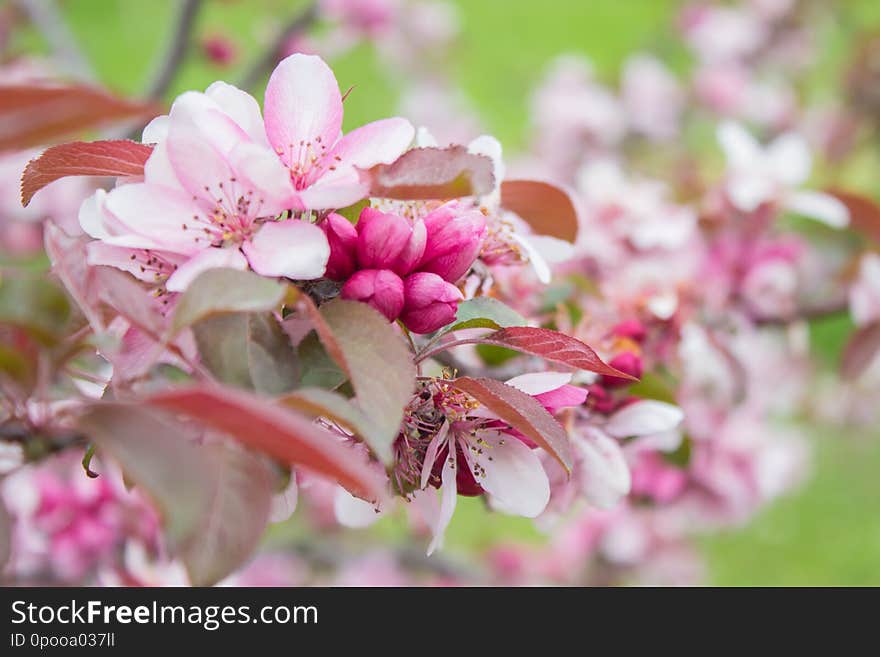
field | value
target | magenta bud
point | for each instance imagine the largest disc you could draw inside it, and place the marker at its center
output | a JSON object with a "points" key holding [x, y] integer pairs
{"points": [[630, 328], [380, 288], [628, 363], [454, 241], [430, 302], [343, 238], [387, 241]]}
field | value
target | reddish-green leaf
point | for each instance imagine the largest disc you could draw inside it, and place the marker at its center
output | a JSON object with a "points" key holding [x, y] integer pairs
{"points": [[548, 209], [553, 346], [861, 350], [224, 290], [318, 402], [215, 499], [375, 358], [282, 434], [35, 114], [97, 158], [522, 412], [432, 173]]}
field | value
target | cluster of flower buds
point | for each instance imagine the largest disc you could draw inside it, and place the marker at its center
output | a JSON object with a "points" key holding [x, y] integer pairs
{"points": [[406, 268]]}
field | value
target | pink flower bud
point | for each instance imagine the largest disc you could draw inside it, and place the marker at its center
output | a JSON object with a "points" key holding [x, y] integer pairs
{"points": [[454, 241], [343, 238], [630, 328], [380, 288], [628, 363], [387, 241], [431, 302]]}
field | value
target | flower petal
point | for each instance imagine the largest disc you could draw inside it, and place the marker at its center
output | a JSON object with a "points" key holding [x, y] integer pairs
{"points": [[514, 475], [379, 142], [303, 107], [789, 159], [210, 258], [644, 418], [449, 491], [536, 383], [353, 512], [431, 453], [740, 148], [605, 476], [819, 206], [241, 107], [294, 249]]}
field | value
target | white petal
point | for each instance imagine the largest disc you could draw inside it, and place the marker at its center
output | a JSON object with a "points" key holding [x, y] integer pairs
{"points": [[542, 269], [605, 477], [431, 453], [740, 148], [449, 491], [210, 258], [643, 418], [241, 107], [536, 383], [353, 512], [295, 249], [514, 476], [789, 159], [819, 206], [284, 503]]}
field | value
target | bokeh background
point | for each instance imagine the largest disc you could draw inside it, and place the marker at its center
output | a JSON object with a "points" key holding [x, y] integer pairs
{"points": [[827, 531]]}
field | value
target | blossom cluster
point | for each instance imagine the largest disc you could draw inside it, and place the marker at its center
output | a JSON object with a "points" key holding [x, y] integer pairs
{"points": [[264, 319]]}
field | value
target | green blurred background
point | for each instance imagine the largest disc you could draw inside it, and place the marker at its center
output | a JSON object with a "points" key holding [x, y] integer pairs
{"points": [[827, 532]]}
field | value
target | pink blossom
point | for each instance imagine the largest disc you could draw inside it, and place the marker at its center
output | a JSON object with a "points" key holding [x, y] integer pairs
{"points": [[454, 239], [387, 241], [759, 175], [303, 124], [380, 288], [430, 302], [342, 237]]}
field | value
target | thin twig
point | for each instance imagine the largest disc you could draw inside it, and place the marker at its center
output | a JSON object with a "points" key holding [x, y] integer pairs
{"points": [[51, 24], [189, 9], [267, 61]]}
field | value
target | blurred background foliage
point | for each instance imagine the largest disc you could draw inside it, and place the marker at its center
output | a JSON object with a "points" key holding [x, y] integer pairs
{"points": [[826, 533]]}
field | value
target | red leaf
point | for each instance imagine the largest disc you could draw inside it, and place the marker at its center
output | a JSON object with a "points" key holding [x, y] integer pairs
{"points": [[376, 360], [35, 114], [548, 209], [861, 350], [553, 346], [284, 435], [864, 212], [97, 158], [432, 173], [522, 412]]}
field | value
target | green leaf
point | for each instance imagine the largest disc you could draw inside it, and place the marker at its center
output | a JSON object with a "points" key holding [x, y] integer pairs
{"points": [[247, 350], [214, 499], [316, 367], [353, 212], [33, 303], [377, 361], [652, 386], [681, 457], [484, 312], [318, 402], [219, 291]]}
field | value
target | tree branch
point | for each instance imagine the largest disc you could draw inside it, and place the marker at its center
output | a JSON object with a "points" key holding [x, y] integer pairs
{"points": [[51, 24], [189, 9], [264, 64]]}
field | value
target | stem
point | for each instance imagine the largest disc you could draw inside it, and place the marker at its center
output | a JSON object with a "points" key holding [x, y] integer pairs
{"points": [[45, 16], [189, 9], [264, 64], [444, 346]]}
